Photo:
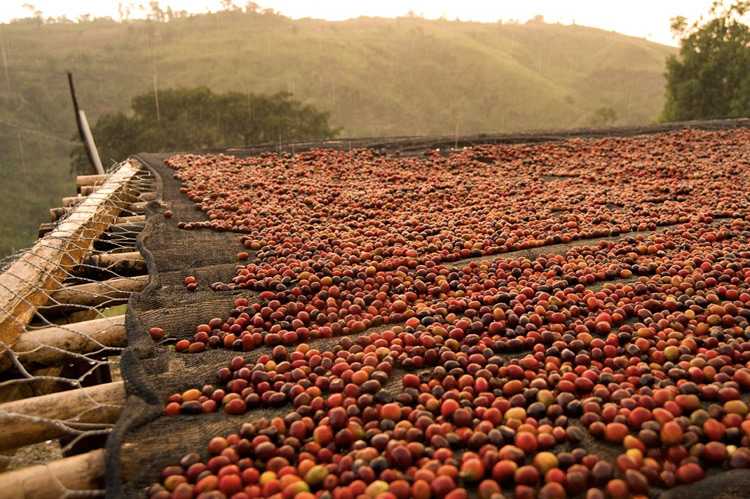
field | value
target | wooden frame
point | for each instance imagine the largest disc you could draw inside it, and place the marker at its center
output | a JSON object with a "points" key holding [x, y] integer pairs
{"points": [[26, 284]]}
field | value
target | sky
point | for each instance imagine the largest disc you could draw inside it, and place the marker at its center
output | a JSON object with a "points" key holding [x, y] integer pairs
{"points": [[642, 18]]}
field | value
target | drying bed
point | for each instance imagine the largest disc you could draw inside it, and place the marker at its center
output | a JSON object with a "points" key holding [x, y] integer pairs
{"points": [[565, 318]]}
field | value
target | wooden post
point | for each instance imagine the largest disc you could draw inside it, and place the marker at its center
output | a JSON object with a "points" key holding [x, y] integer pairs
{"points": [[26, 284], [90, 144], [92, 294], [131, 259], [53, 480], [138, 207], [79, 123], [48, 345], [72, 200], [89, 180], [23, 424]]}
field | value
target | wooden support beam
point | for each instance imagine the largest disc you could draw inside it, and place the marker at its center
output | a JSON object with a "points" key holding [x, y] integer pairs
{"points": [[93, 294], [88, 189], [57, 213], [132, 219], [72, 200], [26, 284], [55, 479], [78, 409], [48, 345], [139, 207], [82, 180], [131, 260]]}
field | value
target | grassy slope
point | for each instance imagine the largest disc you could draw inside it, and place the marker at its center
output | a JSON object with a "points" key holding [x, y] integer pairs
{"points": [[376, 76]]}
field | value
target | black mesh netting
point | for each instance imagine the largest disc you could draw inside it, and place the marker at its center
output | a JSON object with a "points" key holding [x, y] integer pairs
{"points": [[144, 440]]}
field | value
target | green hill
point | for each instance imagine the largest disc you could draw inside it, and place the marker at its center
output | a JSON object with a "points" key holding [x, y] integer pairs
{"points": [[401, 76]]}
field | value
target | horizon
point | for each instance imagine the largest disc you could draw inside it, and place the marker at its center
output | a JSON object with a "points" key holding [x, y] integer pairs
{"points": [[587, 13]]}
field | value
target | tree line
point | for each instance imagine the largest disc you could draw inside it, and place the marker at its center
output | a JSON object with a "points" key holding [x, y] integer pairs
{"points": [[711, 76], [189, 119]]}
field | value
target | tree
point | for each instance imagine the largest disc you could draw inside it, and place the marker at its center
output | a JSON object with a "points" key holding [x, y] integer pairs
{"points": [[196, 118], [710, 78]]}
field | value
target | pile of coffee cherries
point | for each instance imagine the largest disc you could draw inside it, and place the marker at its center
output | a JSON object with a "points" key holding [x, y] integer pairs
{"points": [[398, 360]]}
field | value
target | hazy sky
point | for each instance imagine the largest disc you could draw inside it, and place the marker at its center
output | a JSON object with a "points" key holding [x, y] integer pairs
{"points": [[642, 18]]}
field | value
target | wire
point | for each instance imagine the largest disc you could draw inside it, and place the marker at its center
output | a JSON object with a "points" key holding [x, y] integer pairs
{"points": [[38, 132]]}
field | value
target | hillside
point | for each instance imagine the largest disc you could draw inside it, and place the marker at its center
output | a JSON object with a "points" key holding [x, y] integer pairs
{"points": [[376, 77]]}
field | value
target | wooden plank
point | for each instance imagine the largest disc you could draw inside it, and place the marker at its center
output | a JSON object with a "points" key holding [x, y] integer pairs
{"points": [[44, 345], [25, 285], [23, 423], [53, 480]]}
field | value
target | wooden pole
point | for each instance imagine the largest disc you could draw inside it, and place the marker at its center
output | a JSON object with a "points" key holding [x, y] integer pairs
{"points": [[93, 294], [72, 200], [138, 207], [88, 180], [55, 479], [79, 123], [49, 345], [132, 219], [90, 144], [132, 260], [23, 420]]}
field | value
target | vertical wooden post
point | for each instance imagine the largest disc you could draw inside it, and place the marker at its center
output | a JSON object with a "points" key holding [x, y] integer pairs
{"points": [[90, 144], [77, 111]]}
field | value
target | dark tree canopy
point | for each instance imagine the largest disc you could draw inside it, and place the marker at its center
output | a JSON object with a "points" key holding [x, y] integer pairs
{"points": [[197, 118], [711, 76]]}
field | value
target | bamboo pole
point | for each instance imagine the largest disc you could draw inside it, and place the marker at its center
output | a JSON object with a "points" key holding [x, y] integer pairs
{"points": [[24, 420], [49, 345], [26, 284], [55, 479]]}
